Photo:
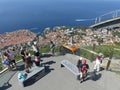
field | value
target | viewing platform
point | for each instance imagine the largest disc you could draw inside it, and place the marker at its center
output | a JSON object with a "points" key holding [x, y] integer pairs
{"points": [[57, 78]]}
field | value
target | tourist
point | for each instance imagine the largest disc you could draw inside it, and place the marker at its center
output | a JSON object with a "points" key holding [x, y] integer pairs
{"points": [[22, 53], [36, 54], [79, 63], [37, 60], [11, 53], [7, 61], [52, 47], [98, 61], [84, 69], [28, 62], [35, 49]]}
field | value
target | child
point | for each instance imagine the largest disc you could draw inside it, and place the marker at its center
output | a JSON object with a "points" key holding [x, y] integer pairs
{"points": [[84, 68]]}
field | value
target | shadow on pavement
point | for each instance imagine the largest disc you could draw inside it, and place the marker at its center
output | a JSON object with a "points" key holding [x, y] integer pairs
{"points": [[5, 86], [48, 63], [39, 76], [20, 67], [96, 77], [48, 69], [93, 76], [46, 55], [47, 66]]}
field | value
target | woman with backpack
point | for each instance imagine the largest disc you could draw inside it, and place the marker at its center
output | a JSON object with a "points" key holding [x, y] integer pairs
{"points": [[52, 47], [7, 61]]}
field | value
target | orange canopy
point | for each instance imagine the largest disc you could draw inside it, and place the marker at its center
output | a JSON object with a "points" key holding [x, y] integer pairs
{"points": [[72, 48]]}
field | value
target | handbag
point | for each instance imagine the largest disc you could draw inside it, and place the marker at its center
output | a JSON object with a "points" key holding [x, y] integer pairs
{"points": [[37, 59], [6, 62]]}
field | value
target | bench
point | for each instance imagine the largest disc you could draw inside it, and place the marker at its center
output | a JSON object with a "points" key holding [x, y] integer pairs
{"points": [[71, 67], [35, 74]]}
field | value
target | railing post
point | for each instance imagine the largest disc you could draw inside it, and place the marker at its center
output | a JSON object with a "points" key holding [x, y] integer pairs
{"points": [[109, 61], [99, 19]]}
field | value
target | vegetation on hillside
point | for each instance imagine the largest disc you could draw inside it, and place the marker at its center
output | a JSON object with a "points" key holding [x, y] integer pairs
{"points": [[105, 50], [98, 49], [116, 34]]}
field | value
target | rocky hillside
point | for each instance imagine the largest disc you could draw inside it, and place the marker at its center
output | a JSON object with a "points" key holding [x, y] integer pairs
{"points": [[16, 37]]}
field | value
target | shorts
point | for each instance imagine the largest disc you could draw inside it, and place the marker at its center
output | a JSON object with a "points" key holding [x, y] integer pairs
{"points": [[13, 61]]}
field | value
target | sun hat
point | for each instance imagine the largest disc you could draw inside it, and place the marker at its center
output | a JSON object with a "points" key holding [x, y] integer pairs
{"points": [[80, 58]]}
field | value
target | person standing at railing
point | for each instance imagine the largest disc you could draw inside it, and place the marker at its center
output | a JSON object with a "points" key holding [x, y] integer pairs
{"points": [[98, 61], [52, 48], [35, 49], [7, 61], [36, 54], [12, 57], [28, 62], [22, 54]]}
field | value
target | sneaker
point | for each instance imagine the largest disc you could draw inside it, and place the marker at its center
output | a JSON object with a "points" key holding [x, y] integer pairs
{"points": [[27, 71], [13, 66], [81, 81]]}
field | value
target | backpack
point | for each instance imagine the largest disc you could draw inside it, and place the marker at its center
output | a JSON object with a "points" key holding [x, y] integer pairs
{"points": [[6, 62], [22, 76], [79, 63], [37, 59]]}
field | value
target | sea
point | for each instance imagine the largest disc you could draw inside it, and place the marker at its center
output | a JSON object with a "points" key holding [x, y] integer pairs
{"points": [[36, 15]]}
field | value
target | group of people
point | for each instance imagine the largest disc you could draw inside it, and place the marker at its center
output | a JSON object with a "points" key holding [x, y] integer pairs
{"points": [[9, 60], [83, 66], [9, 56]]}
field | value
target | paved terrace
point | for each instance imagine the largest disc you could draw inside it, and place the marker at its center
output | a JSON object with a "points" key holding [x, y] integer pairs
{"points": [[58, 78]]}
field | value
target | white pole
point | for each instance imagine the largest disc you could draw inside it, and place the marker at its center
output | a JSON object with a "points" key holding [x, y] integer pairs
{"points": [[95, 20], [99, 19]]}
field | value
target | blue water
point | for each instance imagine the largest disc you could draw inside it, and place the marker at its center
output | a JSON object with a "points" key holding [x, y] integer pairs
{"points": [[39, 14]]}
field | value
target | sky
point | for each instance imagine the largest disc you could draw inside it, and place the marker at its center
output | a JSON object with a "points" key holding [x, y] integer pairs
{"points": [[95, 0], [58, 0]]}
